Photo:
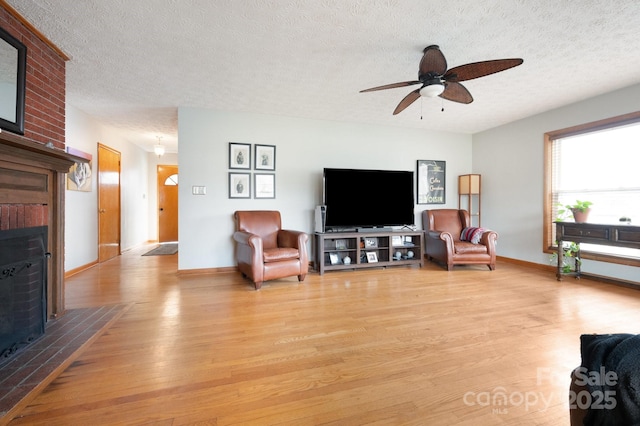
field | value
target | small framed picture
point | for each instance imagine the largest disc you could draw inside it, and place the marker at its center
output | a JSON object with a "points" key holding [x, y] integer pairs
{"points": [[372, 257], [396, 240], [334, 258], [239, 185], [239, 155], [265, 157], [341, 244], [264, 185], [79, 175], [370, 242]]}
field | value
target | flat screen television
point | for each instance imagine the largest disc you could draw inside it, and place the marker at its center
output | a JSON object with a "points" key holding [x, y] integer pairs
{"points": [[357, 198]]}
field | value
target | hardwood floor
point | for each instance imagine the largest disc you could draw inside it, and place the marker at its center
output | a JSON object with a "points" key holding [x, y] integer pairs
{"points": [[410, 346]]}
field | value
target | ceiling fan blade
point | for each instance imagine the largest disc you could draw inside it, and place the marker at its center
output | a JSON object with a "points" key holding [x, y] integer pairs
{"points": [[432, 61], [456, 92], [392, 86], [480, 69], [408, 100]]}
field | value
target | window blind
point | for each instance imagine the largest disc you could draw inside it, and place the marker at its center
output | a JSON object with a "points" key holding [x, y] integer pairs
{"points": [[602, 167]]}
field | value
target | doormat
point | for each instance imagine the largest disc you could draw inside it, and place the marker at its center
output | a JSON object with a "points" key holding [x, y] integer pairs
{"points": [[28, 372], [162, 249]]}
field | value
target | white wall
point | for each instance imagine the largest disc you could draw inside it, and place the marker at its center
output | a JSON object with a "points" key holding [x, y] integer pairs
{"points": [[81, 208], [303, 148], [511, 161], [81, 219], [134, 187]]}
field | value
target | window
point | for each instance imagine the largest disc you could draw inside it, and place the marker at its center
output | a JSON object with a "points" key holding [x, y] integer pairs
{"points": [[597, 162], [171, 180]]}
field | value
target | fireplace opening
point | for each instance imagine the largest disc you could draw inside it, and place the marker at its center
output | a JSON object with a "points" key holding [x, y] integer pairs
{"points": [[23, 288]]}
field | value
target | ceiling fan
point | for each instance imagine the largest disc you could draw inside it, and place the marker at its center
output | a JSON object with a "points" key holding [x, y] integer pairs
{"points": [[437, 80]]}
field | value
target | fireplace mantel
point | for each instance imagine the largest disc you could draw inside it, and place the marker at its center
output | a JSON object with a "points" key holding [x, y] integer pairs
{"points": [[33, 174], [22, 148]]}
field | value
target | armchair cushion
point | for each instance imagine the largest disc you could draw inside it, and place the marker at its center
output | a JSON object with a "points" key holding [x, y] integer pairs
{"points": [[278, 254], [466, 247]]}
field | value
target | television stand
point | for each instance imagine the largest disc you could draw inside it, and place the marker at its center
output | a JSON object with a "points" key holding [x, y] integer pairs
{"points": [[365, 229], [370, 249]]}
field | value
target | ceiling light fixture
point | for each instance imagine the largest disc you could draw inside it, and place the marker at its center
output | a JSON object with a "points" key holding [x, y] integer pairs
{"points": [[432, 90], [159, 148]]}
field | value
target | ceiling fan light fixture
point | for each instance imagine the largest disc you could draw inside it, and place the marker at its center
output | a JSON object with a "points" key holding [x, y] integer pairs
{"points": [[432, 90]]}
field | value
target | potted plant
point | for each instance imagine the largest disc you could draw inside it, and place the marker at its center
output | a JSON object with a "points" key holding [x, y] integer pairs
{"points": [[571, 250], [580, 211], [570, 257]]}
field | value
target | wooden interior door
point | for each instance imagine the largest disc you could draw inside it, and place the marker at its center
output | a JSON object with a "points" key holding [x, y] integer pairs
{"points": [[167, 203], [108, 203]]}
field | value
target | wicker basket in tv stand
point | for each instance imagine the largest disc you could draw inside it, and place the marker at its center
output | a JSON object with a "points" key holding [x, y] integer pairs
{"points": [[333, 247]]}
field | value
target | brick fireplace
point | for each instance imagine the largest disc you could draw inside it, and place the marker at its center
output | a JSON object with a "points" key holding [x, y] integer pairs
{"points": [[33, 166], [32, 183]]}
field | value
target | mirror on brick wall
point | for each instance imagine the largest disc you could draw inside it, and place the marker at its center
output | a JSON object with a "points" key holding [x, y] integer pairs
{"points": [[13, 60]]}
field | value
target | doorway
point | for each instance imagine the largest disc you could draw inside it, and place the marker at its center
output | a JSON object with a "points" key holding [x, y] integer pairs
{"points": [[108, 203], [167, 204]]}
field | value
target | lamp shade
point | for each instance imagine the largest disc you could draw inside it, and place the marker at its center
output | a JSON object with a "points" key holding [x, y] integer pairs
{"points": [[469, 184]]}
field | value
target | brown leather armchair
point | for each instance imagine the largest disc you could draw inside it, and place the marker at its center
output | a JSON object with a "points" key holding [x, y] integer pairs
{"points": [[443, 228], [264, 251]]}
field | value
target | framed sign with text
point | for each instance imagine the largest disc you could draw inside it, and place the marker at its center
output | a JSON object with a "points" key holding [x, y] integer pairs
{"points": [[431, 182]]}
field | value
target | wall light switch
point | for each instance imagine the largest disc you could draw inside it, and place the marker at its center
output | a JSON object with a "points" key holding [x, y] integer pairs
{"points": [[199, 190]]}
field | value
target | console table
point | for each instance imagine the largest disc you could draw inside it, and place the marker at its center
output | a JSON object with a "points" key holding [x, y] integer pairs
{"points": [[594, 233], [352, 250]]}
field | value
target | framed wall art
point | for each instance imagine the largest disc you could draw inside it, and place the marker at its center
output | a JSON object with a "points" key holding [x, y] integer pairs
{"points": [[79, 175], [239, 185], [264, 185], [239, 155], [431, 182], [265, 157]]}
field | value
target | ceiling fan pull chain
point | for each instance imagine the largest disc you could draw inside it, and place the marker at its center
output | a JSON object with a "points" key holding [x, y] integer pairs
{"points": [[421, 104], [442, 102]]}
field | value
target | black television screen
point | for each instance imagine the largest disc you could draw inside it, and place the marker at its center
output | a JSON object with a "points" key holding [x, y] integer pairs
{"points": [[367, 198]]}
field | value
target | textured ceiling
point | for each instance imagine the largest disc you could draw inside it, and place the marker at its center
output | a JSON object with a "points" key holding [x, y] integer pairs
{"points": [[134, 62]]}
